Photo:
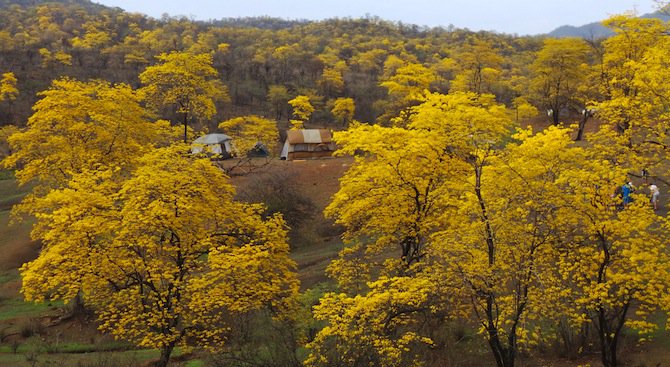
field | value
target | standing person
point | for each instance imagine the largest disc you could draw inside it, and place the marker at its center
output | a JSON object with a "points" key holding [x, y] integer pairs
{"points": [[626, 190], [655, 193]]}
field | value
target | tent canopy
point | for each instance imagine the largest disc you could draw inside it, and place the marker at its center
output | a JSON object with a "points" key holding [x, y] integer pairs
{"points": [[212, 139], [218, 144]]}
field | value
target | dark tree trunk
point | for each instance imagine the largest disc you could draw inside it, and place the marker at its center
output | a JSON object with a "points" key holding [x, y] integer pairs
{"points": [[185, 128], [607, 353], [166, 351], [582, 124], [609, 326], [504, 357], [556, 116], [609, 336]]}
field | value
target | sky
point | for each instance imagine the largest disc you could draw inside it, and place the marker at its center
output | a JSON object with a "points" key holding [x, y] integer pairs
{"points": [[520, 17]]}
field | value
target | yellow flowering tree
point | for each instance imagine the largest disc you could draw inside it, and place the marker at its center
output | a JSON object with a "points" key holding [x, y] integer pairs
{"points": [[613, 262], [623, 61], [379, 328], [8, 90], [559, 69], [498, 243], [432, 225], [388, 200], [391, 202], [406, 84], [634, 110], [186, 82], [302, 110], [453, 216], [83, 125], [478, 67], [343, 110], [331, 82], [136, 229], [248, 131], [166, 257]]}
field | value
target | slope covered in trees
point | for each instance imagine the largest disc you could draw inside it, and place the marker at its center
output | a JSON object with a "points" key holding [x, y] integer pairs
{"points": [[323, 60], [255, 57], [452, 212]]}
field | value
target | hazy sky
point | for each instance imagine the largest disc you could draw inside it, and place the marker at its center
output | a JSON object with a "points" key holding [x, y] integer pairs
{"points": [[508, 16]]}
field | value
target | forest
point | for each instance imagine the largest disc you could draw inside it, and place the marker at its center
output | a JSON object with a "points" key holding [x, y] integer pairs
{"points": [[493, 201]]}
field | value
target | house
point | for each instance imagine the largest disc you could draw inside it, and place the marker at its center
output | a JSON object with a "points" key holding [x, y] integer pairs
{"points": [[308, 143], [219, 145]]}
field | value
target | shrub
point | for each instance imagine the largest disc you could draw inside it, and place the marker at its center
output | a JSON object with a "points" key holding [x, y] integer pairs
{"points": [[279, 192]]}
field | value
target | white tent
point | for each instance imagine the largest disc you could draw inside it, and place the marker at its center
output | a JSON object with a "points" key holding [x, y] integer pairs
{"points": [[213, 144]]}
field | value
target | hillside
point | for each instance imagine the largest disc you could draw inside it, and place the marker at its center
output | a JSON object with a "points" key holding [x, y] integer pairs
{"points": [[494, 199], [326, 60]]}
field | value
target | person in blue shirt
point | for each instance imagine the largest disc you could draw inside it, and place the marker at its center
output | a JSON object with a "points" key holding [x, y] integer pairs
{"points": [[626, 190]]}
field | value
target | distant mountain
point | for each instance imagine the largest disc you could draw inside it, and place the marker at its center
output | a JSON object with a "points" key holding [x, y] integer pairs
{"points": [[594, 30]]}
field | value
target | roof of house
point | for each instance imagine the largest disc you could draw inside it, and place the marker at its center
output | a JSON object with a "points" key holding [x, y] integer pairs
{"points": [[309, 136]]}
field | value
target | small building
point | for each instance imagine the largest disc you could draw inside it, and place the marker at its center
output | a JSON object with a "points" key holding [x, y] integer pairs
{"points": [[308, 143], [217, 145]]}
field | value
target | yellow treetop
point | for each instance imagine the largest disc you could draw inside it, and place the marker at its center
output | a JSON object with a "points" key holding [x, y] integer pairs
{"points": [[83, 125], [247, 131], [166, 257], [8, 90]]}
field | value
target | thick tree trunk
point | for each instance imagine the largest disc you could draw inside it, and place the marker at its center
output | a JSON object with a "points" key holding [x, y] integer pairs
{"points": [[166, 351], [608, 357], [504, 357], [609, 339], [608, 350], [556, 117], [508, 357]]}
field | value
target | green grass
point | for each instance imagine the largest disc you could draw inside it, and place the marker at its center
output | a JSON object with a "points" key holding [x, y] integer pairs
{"points": [[6, 174], [10, 195], [75, 354], [9, 276], [65, 348], [13, 360], [195, 363], [88, 348], [312, 261], [13, 308], [9, 200], [16, 246], [10, 192], [127, 358]]}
